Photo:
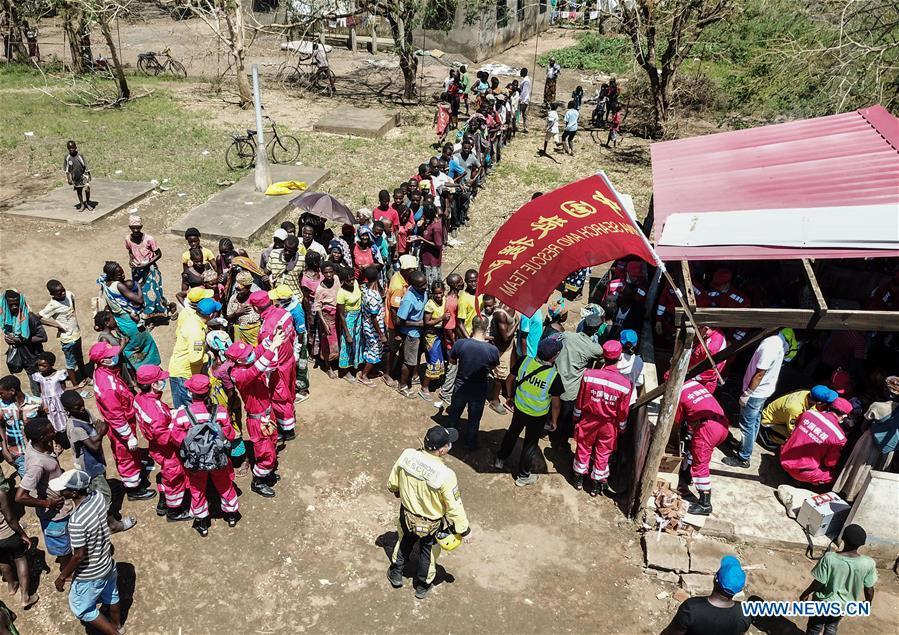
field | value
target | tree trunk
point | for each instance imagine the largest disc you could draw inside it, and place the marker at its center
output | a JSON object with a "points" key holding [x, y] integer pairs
{"points": [[402, 39], [233, 14], [16, 34], [124, 91], [77, 31], [658, 86], [409, 66]]}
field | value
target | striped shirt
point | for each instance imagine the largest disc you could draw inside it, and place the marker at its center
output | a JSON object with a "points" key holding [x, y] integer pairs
{"points": [[88, 528]]}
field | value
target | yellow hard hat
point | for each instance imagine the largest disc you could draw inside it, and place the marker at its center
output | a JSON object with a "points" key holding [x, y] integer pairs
{"points": [[448, 541]]}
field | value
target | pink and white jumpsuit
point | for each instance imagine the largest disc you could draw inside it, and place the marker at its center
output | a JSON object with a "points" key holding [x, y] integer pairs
{"points": [[600, 411], [715, 341], [116, 405], [155, 421], [282, 378], [223, 479], [812, 452], [708, 427], [251, 382]]}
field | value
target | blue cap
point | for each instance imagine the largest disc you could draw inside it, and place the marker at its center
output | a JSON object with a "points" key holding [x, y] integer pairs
{"points": [[823, 393], [549, 347], [208, 306], [628, 336], [730, 577]]}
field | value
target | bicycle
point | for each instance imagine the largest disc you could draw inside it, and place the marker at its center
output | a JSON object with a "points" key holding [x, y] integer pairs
{"points": [[148, 64], [316, 79], [281, 148]]}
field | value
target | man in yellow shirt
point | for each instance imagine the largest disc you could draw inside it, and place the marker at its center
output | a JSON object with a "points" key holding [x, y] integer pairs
{"points": [[189, 352], [467, 308], [779, 417], [430, 502], [396, 289]]}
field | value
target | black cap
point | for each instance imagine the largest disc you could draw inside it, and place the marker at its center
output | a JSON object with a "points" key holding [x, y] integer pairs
{"points": [[438, 436]]}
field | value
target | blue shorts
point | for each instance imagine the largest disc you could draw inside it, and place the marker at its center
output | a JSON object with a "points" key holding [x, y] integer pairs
{"points": [[74, 355], [85, 594], [20, 465], [56, 536]]}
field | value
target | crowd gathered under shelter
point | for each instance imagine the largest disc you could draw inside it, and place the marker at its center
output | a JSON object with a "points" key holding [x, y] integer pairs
{"points": [[369, 303]]}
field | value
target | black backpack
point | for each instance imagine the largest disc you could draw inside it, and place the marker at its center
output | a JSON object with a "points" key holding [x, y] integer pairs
{"points": [[205, 447]]}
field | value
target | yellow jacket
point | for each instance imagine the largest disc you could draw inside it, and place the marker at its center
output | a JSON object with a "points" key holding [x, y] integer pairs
{"points": [[428, 487], [785, 410], [189, 351]]}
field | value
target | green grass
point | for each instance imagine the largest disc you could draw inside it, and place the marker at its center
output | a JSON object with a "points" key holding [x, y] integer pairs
{"points": [[604, 53], [148, 138]]}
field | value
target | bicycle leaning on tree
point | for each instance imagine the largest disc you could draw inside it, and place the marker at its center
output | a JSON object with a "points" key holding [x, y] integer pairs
{"points": [[150, 64], [281, 148]]}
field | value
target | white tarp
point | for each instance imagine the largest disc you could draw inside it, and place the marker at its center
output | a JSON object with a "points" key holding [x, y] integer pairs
{"points": [[855, 227], [302, 46]]}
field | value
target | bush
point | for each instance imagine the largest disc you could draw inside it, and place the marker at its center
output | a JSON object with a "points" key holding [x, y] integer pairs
{"points": [[607, 53]]}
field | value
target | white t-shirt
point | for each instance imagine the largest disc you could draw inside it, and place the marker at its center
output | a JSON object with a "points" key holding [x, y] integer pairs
{"points": [[631, 366], [552, 122], [439, 182], [571, 117], [525, 89], [769, 356], [64, 313]]}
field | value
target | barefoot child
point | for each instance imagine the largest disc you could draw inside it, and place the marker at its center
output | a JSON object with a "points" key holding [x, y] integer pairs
{"points": [[60, 312], [52, 383], [78, 176]]}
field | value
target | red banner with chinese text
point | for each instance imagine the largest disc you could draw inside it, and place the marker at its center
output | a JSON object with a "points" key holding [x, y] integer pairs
{"points": [[576, 226]]}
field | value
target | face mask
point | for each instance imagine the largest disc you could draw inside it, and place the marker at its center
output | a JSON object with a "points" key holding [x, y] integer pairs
{"points": [[159, 386], [112, 361], [251, 358]]}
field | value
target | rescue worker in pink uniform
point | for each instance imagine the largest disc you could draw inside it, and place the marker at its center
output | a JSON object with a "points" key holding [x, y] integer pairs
{"points": [[154, 417], [715, 341], [600, 412], [635, 276], [282, 378], [249, 375], [222, 476], [116, 405], [707, 429], [812, 452]]}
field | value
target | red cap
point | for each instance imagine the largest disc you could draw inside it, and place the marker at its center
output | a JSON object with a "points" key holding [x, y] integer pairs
{"points": [[259, 299], [198, 384], [102, 350], [840, 381], [149, 373], [611, 350], [634, 269], [721, 277], [238, 351], [842, 406]]}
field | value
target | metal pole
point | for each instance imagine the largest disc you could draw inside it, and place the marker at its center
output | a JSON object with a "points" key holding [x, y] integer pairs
{"points": [[262, 176]]}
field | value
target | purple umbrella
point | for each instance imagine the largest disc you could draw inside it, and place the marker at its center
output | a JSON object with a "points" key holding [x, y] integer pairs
{"points": [[325, 206]]}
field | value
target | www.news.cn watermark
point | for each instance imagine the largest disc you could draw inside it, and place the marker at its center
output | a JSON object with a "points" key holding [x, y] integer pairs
{"points": [[805, 609]]}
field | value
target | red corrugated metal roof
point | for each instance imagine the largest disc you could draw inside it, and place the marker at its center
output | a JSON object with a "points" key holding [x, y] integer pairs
{"points": [[847, 159]]}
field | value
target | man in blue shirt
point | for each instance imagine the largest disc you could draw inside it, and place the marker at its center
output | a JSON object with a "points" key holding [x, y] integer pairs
{"points": [[476, 358], [410, 318]]}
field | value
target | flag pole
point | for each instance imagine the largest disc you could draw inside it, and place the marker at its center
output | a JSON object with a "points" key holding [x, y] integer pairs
{"points": [[675, 288]]}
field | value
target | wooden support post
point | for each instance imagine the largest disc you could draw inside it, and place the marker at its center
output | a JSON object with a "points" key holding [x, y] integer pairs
{"points": [[352, 43], [688, 284], [813, 283], [680, 363]]}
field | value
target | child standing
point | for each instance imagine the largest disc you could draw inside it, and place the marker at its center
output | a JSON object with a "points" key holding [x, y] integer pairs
{"points": [[614, 128], [15, 407], [552, 125], [571, 123], [78, 176], [52, 383], [61, 309], [442, 118]]}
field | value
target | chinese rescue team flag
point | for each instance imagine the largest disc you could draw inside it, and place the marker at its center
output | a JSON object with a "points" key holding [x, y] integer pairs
{"points": [[576, 226]]}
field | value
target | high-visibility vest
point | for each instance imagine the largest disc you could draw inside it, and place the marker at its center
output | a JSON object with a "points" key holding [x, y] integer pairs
{"points": [[532, 395]]}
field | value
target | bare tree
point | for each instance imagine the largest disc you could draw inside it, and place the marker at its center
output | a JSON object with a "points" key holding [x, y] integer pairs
{"points": [[103, 13], [663, 34], [15, 34]]}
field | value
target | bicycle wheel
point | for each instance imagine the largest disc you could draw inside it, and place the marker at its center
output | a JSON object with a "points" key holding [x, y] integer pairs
{"points": [[284, 149], [240, 155], [177, 68], [142, 65]]}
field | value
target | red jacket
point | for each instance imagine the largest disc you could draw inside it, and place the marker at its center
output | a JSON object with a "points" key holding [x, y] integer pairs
{"points": [[604, 396], [697, 405], [813, 449], [715, 341], [272, 317], [182, 422], [115, 401], [252, 384]]}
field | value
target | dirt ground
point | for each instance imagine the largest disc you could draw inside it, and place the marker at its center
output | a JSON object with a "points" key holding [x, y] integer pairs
{"points": [[540, 559]]}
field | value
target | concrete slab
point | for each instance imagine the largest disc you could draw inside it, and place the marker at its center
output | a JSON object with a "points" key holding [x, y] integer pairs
{"points": [[696, 583], [746, 500], [705, 554], [58, 205], [666, 551], [241, 213], [876, 508], [358, 122]]}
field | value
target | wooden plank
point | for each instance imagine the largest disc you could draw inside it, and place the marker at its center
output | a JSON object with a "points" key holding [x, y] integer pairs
{"points": [[723, 354], [833, 320], [813, 282], [688, 284], [662, 430]]}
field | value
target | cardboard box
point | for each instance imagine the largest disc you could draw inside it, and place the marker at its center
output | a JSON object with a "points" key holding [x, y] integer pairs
{"points": [[823, 514]]}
